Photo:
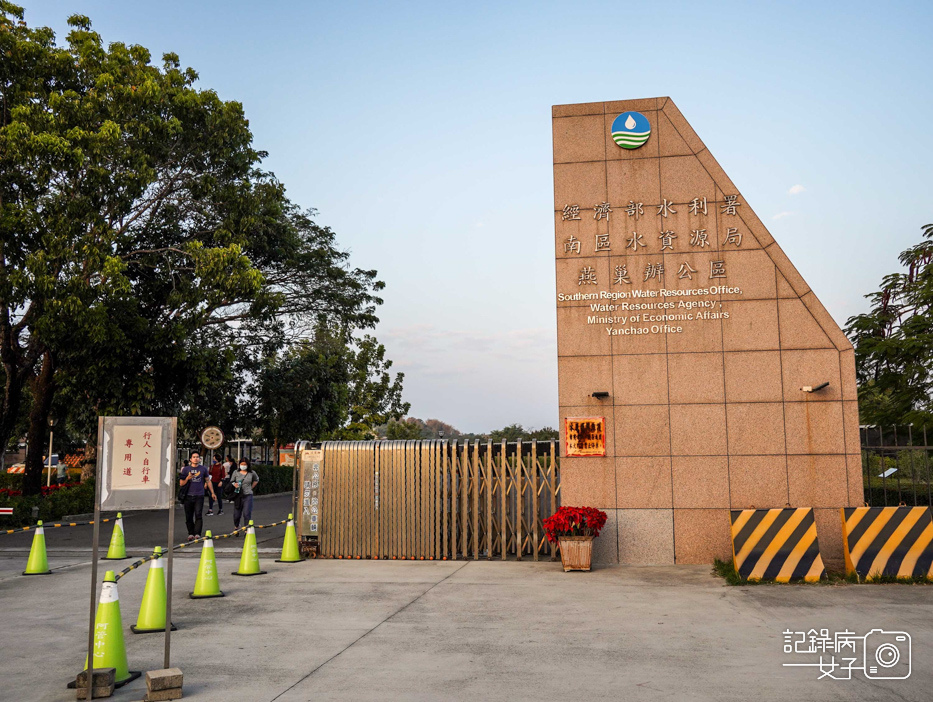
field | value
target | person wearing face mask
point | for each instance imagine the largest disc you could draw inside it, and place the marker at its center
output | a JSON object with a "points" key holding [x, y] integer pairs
{"points": [[243, 481]]}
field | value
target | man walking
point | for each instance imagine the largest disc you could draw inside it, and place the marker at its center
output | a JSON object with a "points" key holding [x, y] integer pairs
{"points": [[197, 476], [217, 475]]}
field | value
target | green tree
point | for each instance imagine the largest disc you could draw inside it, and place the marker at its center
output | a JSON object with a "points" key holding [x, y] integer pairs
{"points": [[304, 393], [331, 387], [513, 432], [137, 233], [544, 434], [403, 430], [894, 343], [375, 396]]}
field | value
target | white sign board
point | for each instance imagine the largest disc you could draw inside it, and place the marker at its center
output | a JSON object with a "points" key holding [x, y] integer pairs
{"points": [[137, 449], [136, 462]]}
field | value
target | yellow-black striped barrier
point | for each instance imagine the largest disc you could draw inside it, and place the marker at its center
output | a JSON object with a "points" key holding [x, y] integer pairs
{"points": [[776, 544], [53, 526], [888, 541], [185, 544]]}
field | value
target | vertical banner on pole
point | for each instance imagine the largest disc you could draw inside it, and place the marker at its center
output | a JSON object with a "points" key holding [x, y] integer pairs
{"points": [[312, 464]]}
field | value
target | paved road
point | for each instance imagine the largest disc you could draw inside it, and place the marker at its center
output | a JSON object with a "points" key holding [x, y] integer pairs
{"points": [[386, 630], [144, 530]]}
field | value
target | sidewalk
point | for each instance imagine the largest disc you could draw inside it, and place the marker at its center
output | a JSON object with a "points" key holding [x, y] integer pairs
{"points": [[464, 630]]}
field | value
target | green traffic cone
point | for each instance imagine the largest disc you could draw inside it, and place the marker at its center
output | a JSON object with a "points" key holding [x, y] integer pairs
{"points": [[38, 563], [290, 552], [249, 561], [206, 584], [117, 550], [109, 646], [151, 617]]}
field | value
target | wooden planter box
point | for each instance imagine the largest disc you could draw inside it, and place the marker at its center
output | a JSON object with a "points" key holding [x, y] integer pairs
{"points": [[576, 552]]}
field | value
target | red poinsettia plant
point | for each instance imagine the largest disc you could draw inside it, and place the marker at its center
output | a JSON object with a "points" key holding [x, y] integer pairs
{"points": [[574, 521]]}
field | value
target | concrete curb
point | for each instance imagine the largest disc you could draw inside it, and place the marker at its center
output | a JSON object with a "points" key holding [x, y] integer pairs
{"points": [[86, 517]]}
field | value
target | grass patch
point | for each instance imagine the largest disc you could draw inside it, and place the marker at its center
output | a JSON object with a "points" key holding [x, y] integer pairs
{"points": [[893, 580], [726, 570]]}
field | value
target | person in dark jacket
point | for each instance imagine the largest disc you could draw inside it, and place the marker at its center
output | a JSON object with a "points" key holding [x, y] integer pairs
{"points": [[217, 479], [196, 478]]}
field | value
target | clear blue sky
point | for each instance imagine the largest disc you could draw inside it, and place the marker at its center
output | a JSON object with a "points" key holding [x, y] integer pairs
{"points": [[421, 133]]}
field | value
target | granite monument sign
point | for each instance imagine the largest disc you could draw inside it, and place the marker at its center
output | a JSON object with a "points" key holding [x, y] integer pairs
{"points": [[722, 381]]}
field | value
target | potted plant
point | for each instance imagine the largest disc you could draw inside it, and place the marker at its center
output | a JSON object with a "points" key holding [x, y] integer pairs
{"points": [[574, 529]]}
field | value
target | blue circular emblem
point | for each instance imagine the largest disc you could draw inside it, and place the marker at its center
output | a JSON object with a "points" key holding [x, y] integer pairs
{"points": [[630, 130]]}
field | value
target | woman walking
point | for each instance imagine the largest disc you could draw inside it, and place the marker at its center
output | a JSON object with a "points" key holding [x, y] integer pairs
{"points": [[243, 481]]}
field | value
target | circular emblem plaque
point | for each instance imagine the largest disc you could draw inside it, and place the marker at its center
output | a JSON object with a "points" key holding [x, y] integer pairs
{"points": [[212, 437], [631, 130]]}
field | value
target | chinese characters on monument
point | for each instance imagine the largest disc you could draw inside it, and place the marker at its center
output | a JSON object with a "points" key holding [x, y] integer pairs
{"points": [[662, 272], [698, 239]]}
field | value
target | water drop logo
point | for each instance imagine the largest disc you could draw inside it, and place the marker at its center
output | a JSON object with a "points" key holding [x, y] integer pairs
{"points": [[631, 130]]}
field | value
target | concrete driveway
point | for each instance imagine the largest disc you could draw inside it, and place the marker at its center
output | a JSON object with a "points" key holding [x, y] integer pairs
{"points": [[378, 630]]}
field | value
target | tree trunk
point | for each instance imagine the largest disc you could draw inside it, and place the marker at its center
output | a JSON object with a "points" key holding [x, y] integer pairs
{"points": [[89, 464], [12, 401], [16, 369], [43, 392]]}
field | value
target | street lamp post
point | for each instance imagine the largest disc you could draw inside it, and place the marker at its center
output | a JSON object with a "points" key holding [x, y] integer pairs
{"points": [[52, 422]]}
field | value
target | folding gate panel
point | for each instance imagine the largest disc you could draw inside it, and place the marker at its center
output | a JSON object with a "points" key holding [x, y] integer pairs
{"points": [[437, 499]]}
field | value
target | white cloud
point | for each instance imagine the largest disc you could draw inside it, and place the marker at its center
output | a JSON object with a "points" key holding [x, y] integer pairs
{"points": [[781, 215], [796, 189]]}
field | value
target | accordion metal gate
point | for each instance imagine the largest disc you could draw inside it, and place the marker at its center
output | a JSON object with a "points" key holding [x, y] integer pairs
{"points": [[424, 500]]}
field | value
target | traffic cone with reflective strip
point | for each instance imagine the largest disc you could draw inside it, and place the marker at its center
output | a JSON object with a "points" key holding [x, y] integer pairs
{"points": [[117, 550], [152, 611], [38, 563], [109, 646], [249, 561], [207, 583], [290, 552]]}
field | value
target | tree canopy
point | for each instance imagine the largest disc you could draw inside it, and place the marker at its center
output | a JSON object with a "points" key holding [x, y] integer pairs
{"points": [[414, 428], [404, 429], [148, 263], [894, 343], [514, 432]]}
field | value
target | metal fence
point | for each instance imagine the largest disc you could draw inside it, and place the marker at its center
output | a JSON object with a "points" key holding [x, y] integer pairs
{"points": [[896, 466], [438, 499]]}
